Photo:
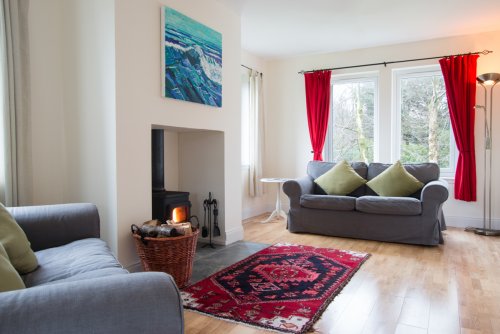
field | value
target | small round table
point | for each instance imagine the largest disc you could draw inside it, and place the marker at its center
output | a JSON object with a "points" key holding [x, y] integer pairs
{"points": [[278, 212]]}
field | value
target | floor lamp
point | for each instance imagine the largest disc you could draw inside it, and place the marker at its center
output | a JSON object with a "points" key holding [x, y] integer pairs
{"points": [[487, 80]]}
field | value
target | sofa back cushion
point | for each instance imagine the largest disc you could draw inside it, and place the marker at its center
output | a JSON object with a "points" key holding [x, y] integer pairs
{"points": [[424, 172], [317, 168]]}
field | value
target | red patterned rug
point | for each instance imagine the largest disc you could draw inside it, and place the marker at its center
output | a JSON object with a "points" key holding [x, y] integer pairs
{"points": [[283, 287]]}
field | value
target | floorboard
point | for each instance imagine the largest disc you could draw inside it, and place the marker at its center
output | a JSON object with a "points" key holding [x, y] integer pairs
{"points": [[448, 289]]}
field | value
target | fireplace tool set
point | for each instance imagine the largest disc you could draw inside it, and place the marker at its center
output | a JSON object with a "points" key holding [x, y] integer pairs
{"points": [[209, 205]]}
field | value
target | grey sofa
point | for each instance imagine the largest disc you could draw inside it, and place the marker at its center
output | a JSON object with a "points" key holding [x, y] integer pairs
{"points": [[416, 219], [79, 286]]}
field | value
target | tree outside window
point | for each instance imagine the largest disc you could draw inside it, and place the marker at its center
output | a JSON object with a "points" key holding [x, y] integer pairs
{"points": [[425, 134], [351, 134]]}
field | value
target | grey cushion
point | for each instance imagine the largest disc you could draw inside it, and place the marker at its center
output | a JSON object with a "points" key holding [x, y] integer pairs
{"points": [[81, 259], [66, 223], [404, 206], [317, 168], [328, 202]]}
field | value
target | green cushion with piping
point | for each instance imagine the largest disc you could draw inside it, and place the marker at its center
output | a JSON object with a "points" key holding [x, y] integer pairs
{"points": [[395, 181], [342, 179], [16, 244]]}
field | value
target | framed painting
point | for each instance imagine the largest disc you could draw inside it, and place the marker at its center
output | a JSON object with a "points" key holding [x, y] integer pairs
{"points": [[191, 60]]}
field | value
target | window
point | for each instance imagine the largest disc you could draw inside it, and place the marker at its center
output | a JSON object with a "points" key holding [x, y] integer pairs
{"points": [[422, 121], [351, 127]]}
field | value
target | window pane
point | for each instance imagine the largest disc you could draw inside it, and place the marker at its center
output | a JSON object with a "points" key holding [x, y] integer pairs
{"points": [[425, 123], [353, 118]]}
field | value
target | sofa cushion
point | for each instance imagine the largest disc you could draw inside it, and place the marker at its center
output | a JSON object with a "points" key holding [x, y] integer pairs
{"points": [[81, 259], [9, 277], [317, 168], [395, 181], [328, 202], [16, 244], [424, 172], [341, 179], [404, 206]]}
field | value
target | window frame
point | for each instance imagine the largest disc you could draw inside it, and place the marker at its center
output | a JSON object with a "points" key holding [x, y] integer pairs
{"points": [[415, 72], [354, 78]]}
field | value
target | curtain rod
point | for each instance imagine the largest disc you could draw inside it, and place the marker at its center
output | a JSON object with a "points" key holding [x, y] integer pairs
{"points": [[251, 69], [385, 63]]}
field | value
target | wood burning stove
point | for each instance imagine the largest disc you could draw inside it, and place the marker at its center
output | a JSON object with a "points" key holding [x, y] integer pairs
{"points": [[173, 205], [167, 205]]}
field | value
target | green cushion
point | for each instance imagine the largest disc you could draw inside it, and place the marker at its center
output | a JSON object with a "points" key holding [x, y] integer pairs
{"points": [[16, 244], [9, 277], [395, 181], [342, 179]]}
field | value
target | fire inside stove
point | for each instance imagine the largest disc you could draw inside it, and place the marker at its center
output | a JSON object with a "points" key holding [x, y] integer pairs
{"points": [[180, 214]]}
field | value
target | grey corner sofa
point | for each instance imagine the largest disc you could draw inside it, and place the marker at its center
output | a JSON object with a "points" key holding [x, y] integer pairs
{"points": [[416, 219], [79, 286]]}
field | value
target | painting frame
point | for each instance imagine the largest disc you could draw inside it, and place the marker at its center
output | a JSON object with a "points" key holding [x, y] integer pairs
{"points": [[191, 59]]}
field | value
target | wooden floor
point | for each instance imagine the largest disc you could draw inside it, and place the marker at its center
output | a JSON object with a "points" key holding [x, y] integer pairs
{"points": [[452, 288]]}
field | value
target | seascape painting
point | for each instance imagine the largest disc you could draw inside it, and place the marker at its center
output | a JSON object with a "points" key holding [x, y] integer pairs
{"points": [[192, 60]]}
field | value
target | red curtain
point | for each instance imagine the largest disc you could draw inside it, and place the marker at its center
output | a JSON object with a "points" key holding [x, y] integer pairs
{"points": [[460, 80], [318, 108]]}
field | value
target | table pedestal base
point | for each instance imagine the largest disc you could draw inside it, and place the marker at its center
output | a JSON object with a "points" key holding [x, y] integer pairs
{"points": [[278, 212], [274, 214]]}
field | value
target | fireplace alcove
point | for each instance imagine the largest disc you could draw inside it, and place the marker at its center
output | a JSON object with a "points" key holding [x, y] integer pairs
{"points": [[167, 205], [193, 166]]}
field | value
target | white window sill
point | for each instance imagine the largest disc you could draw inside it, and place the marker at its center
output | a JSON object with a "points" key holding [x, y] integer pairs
{"points": [[449, 179]]}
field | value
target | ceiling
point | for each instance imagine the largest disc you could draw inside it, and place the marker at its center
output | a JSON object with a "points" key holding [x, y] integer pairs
{"points": [[286, 28]]}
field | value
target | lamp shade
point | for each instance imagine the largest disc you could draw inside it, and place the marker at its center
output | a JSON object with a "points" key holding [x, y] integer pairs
{"points": [[488, 78]]}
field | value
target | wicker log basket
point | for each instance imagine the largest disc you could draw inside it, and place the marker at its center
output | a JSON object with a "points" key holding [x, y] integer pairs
{"points": [[174, 255]]}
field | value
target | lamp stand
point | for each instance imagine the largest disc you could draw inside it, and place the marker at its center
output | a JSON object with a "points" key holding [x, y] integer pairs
{"points": [[484, 80]]}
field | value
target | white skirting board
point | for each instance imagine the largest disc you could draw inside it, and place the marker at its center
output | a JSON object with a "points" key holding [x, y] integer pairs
{"points": [[463, 222]]}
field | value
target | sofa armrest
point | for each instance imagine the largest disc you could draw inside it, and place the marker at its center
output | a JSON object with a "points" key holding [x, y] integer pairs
{"points": [[131, 303], [435, 191], [296, 188], [49, 226]]}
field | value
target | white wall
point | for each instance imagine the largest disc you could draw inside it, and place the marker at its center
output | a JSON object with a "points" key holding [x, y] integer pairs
{"points": [[46, 57], [288, 145], [73, 105], [201, 157], [96, 94], [139, 105]]}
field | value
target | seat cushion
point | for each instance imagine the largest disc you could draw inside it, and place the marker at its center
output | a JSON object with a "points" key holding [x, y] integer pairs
{"points": [[328, 202], [81, 259], [404, 206]]}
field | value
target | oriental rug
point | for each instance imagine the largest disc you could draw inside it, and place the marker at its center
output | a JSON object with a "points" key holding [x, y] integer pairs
{"points": [[283, 287]]}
